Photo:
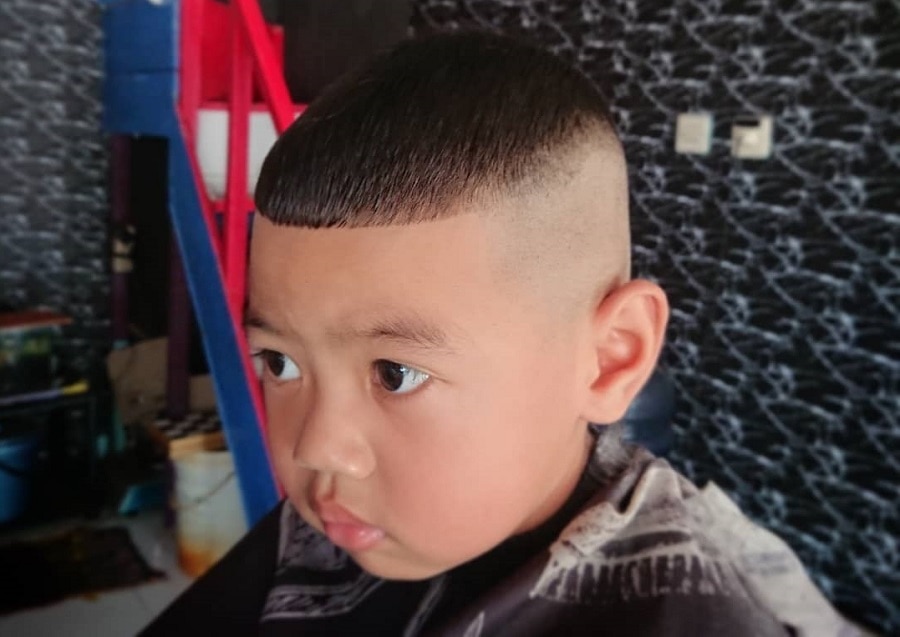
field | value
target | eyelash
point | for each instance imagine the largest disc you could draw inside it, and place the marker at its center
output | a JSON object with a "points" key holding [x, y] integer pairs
{"points": [[262, 360], [419, 377], [262, 363]]}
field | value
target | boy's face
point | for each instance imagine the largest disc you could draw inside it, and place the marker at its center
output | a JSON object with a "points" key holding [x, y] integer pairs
{"points": [[417, 414]]}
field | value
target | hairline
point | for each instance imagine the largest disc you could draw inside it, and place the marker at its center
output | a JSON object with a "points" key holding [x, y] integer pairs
{"points": [[550, 173]]}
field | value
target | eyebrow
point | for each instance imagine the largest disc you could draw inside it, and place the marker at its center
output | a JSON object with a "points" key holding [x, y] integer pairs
{"points": [[404, 329], [411, 330], [254, 320]]}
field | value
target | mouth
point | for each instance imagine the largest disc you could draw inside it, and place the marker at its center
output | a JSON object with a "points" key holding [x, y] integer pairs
{"points": [[345, 529]]}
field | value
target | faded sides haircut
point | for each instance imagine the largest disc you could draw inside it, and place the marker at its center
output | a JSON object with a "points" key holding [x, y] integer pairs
{"points": [[427, 126]]}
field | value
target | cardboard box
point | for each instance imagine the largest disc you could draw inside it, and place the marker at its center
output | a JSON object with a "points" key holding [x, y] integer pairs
{"points": [[138, 377]]}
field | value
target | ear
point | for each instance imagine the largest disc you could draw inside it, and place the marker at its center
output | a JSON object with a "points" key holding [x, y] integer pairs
{"points": [[627, 332]]}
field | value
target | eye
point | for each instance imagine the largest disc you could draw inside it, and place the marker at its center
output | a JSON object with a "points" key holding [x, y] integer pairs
{"points": [[277, 364], [397, 378]]}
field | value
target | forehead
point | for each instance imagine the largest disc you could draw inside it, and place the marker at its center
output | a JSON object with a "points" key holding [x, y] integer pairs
{"points": [[434, 280], [399, 254]]}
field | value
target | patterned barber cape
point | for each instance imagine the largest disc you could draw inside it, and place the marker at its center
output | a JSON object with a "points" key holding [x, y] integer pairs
{"points": [[648, 554], [644, 553]]}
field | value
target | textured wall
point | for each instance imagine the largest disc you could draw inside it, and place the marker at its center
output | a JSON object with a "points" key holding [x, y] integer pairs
{"points": [[53, 206], [783, 274]]}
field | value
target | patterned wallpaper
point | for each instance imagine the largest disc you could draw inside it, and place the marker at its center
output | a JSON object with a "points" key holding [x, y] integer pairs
{"points": [[783, 273], [53, 204]]}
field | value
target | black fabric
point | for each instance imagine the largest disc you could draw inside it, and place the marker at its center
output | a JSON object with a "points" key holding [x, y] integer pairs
{"points": [[228, 598], [78, 562], [323, 40]]}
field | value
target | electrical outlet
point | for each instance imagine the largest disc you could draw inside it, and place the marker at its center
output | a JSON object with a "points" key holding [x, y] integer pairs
{"points": [[751, 137], [692, 133]]}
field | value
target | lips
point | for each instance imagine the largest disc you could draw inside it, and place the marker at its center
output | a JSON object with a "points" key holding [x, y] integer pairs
{"points": [[345, 529]]}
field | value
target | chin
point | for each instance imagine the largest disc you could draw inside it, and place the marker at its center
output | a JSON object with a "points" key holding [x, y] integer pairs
{"points": [[391, 569]]}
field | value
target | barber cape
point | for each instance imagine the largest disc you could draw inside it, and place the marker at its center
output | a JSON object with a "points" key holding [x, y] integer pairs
{"points": [[646, 553]]}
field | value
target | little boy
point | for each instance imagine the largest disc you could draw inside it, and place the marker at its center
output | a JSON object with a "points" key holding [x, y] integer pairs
{"points": [[445, 326]]}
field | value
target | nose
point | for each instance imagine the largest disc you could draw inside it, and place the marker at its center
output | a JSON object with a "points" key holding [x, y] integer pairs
{"points": [[331, 439]]}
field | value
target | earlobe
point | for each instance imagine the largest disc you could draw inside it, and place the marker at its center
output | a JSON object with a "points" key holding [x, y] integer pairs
{"points": [[628, 331]]}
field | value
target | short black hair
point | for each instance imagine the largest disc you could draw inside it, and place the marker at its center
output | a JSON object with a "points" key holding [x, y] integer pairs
{"points": [[425, 125]]}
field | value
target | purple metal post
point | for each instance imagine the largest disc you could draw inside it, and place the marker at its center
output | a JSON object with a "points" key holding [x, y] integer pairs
{"points": [[120, 216], [178, 372]]}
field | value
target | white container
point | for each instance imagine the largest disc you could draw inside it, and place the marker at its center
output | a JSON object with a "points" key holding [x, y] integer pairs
{"points": [[210, 518], [212, 147]]}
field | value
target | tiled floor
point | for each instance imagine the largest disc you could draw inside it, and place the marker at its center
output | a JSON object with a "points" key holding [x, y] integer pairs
{"points": [[121, 612]]}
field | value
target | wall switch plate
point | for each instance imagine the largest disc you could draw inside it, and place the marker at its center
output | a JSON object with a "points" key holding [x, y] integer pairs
{"points": [[751, 137], [692, 133]]}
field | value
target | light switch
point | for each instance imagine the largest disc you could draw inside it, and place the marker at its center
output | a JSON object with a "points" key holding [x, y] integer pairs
{"points": [[751, 137], [692, 133]]}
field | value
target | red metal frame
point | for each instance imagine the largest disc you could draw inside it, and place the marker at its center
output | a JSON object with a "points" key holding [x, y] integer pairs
{"points": [[253, 61], [235, 226], [267, 62]]}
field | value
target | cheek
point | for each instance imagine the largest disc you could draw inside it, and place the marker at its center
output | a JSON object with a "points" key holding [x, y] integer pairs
{"points": [[432, 465], [466, 478], [280, 450], [282, 421], [280, 456]]}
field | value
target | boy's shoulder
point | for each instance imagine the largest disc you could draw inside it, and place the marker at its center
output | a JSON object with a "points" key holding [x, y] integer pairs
{"points": [[653, 540]]}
